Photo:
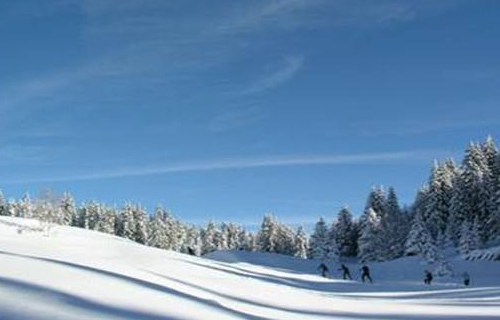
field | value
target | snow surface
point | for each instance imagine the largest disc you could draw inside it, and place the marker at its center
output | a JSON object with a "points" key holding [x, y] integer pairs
{"points": [[69, 273]]}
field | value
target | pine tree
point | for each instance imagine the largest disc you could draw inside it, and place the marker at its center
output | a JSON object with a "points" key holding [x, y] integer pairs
{"points": [[369, 240], [156, 236], [267, 236], [318, 243], [208, 237], [220, 241], [3, 204], [419, 241], [140, 218], [393, 229], [107, 220], [300, 244], [25, 207], [437, 210], [469, 237], [346, 233], [284, 239], [171, 230], [193, 241], [126, 227], [68, 209], [92, 216], [332, 247], [476, 181]]}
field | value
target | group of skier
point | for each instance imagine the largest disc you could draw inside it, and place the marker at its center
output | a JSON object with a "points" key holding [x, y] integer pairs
{"points": [[346, 273], [365, 274]]}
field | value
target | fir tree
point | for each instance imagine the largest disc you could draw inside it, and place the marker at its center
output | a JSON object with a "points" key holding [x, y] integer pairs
{"points": [[268, 234], [3, 204], [469, 237], [126, 227], [140, 227], [68, 209], [346, 233], [332, 247], [369, 240], [208, 237], [300, 244], [318, 243]]}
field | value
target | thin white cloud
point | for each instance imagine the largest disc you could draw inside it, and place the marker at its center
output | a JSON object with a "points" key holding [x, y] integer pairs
{"points": [[246, 163], [292, 65], [235, 119]]}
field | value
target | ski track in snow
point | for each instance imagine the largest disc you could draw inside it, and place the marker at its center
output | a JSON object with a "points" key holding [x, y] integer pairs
{"points": [[77, 274]]}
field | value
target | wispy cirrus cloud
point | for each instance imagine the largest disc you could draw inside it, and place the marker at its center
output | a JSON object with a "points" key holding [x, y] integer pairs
{"points": [[290, 68], [234, 119], [246, 163]]}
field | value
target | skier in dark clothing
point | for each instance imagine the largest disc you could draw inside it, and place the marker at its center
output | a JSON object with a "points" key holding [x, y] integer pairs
{"points": [[428, 277], [365, 273], [323, 269], [466, 277], [346, 274], [191, 251]]}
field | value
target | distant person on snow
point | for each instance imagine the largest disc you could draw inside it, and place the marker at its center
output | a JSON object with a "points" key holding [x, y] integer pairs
{"points": [[346, 274], [365, 273], [428, 277], [323, 269], [466, 277]]}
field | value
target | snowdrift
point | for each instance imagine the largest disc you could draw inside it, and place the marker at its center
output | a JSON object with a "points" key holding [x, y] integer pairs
{"points": [[68, 273]]}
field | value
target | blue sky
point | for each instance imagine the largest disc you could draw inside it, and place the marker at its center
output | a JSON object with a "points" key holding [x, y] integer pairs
{"points": [[230, 109]]}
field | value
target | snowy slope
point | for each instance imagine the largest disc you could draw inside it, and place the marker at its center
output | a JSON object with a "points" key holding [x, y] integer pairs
{"points": [[78, 274]]}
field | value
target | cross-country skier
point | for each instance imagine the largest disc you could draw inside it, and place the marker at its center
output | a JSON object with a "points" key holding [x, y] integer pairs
{"points": [[466, 277], [323, 269], [428, 277], [346, 274], [365, 273]]}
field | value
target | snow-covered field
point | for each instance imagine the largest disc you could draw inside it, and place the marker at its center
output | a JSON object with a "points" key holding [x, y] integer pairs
{"points": [[78, 274]]}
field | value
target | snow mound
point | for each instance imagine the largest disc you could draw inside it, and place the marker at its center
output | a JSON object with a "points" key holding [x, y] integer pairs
{"points": [[74, 274]]}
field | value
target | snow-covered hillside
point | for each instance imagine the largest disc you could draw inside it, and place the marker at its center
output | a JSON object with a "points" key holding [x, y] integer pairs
{"points": [[70, 273]]}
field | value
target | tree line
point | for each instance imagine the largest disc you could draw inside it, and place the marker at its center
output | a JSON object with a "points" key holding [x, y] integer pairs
{"points": [[457, 210]]}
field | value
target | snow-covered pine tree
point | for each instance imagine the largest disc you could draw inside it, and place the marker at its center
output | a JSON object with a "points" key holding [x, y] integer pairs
{"points": [[332, 247], [267, 236], [318, 241], [476, 178], [439, 195], [208, 238], [171, 230], [245, 240], [25, 207], [3, 204], [420, 242], [377, 201], [220, 241], [460, 208], [93, 214], [285, 239], [68, 209], [140, 218], [107, 219], [126, 225], [231, 233], [469, 236], [193, 241], [300, 244], [369, 240], [156, 236], [346, 233], [393, 228]]}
